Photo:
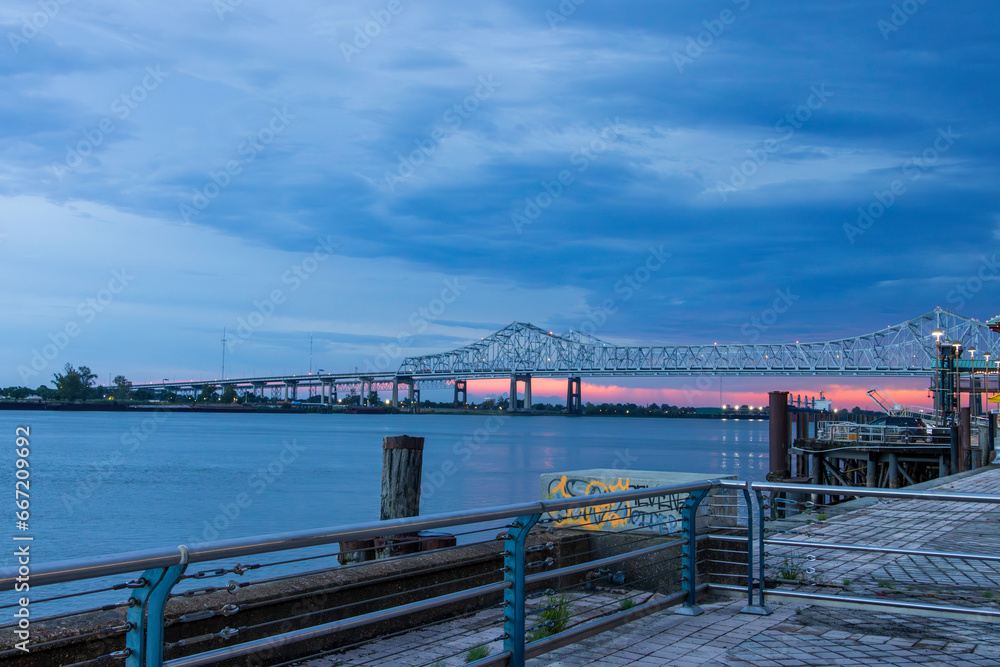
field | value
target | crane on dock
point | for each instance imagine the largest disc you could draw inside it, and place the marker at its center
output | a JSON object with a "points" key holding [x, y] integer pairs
{"points": [[885, 402]]}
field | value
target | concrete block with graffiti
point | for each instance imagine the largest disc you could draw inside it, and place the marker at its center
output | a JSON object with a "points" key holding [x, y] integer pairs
{"points": [[649, 516]]}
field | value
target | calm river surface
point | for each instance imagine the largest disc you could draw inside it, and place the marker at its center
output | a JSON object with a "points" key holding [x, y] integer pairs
{"points": [[107, 482]]}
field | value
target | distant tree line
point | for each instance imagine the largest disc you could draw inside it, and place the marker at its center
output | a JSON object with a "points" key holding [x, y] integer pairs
{"points": [[78, 384]]}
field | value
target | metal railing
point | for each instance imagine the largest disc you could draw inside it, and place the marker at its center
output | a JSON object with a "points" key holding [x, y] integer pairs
{"points": [[866, 434], [906, 554], [532, 593], [547, 601]]}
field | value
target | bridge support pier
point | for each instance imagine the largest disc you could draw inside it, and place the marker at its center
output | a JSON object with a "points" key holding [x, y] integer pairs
{"points": [[401, 380], [258, 389], [514, 379], [461, 390], [574, 396]]}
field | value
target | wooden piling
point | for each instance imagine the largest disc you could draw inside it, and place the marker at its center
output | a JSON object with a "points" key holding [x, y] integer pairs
{"points": [[965, 430], [955, 449], [893, 470], [871, 479], [816, 474], [402, 463], [778, 433], [990, 441]]}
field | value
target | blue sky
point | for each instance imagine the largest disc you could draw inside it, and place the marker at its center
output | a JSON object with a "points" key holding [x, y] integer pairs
{"points": [[526, 156]]}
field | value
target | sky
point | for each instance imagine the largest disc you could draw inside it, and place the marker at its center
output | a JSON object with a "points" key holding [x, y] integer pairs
{"points": [[360, 172]]}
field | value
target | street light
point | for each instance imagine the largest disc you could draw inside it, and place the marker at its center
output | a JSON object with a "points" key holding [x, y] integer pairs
{"points": [[986, 380], [957, 346], [986, 383], [972, 379], [937, 333]]}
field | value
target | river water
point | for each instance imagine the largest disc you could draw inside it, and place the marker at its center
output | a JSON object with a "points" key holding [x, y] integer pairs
{"points": [[106, 482], [109, 482]]}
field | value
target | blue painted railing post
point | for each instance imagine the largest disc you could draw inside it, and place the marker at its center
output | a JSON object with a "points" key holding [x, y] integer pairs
{"points": [[514, 567], [759, 609], [144, 639], [760, 541], [689, 554]]}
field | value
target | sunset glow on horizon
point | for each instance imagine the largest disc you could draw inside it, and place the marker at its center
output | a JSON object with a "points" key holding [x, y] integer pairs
{"points": [[689, 392]]}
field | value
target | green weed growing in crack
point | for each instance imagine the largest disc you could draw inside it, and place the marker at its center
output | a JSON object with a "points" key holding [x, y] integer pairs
{"points": [[477, 653]]}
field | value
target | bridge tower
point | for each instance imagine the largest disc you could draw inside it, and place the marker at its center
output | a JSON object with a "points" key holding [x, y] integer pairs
{"points": [[514, 379], [461, 390], [574, 396], [404, 380], [331, 393]]}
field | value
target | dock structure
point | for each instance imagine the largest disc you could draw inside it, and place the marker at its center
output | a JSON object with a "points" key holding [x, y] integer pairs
{"points": [[858, 454], [851, 454], [907, 446]]}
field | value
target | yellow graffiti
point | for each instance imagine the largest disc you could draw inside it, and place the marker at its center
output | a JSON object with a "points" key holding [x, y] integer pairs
{"points": [[560, 490], [595, 517]]}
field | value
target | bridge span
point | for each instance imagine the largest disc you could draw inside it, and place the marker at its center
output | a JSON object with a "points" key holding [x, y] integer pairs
{"points": [[522, 351]]}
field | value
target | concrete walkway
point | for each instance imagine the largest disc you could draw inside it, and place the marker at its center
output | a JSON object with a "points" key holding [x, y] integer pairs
{"points": [[795, 634], [902, 524]]}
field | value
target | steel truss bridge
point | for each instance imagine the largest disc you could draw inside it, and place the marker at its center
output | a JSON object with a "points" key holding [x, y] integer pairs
{"points": [[522, 351]]}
